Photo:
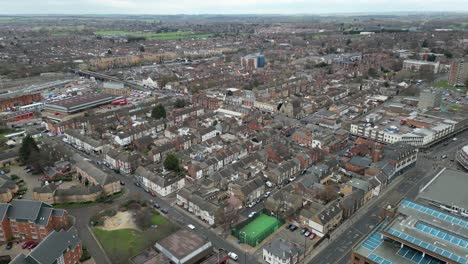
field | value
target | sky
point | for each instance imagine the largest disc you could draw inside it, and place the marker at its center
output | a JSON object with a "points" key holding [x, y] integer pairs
{"points": [[9, 7]]}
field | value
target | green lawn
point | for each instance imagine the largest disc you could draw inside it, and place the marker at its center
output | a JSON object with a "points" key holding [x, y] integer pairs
{"points": [[158, 219], [442, 84], [161, 36], [122, 244]]}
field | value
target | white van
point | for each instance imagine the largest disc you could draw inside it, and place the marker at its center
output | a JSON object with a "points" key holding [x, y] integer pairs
{"points": [[269, 184], [233, 256], [191, 226]]}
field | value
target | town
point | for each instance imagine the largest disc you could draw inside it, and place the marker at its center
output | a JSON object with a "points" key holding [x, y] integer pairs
{"points": [[246, 139]]}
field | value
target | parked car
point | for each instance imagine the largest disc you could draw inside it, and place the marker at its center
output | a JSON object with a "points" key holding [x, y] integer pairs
{"points": [[250, 205], [269, 184], [157, 206], [27, 244], [292, 227], [233, 256], [191, 226], [304, 230], [153, 194], [252, 214], [267, 194], [9, 245], [312, 236], [292, 179], [307, 233], [32, 245], [164, 211], [122, 182], [137, 184]]}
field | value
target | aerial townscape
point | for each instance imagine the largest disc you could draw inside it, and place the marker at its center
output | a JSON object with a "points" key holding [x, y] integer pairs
{"points": [[147, 132]]}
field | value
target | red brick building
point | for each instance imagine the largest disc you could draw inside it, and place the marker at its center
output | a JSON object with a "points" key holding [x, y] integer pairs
{"points": [[25, 99], [205, 101], [58, 247], [30, 220]]}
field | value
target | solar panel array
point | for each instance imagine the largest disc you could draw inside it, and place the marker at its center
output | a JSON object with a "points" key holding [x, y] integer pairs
{"points": [[373, 241], [435, 213], [428, 246], [442, 235], [417, 256], [379, 260]]}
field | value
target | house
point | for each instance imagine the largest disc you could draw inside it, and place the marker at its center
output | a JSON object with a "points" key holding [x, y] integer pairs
{"points": [[62, 246], [352, 202], [193, 202], [87, 172], [280, 251], [121, 160], [359, 184], [8, 188], [358, 164], [160, 181], [326, 219], [249, 191], [208, 133], [86, 143], [29, 220], [303, 137]]}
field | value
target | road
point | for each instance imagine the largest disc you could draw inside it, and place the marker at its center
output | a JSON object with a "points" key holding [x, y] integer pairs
{"points": [[84, 214], [338, 248]]}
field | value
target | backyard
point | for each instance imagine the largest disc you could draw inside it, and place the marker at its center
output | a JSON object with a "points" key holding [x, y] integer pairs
{"points": [[126, 233]]}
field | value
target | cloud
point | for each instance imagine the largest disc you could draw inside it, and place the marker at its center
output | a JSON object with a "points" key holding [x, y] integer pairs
{"points": [[224, 6]]}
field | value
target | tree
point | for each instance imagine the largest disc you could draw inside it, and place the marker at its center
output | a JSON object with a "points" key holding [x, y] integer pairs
{"points": [[431, 57], [142, 48], [448, 54], [172, 162], [179, 103], [348, 41], [143, 219], [28, 146], [372, 72], [229, 93], [425, 44], [109, 51], [158, 112]]}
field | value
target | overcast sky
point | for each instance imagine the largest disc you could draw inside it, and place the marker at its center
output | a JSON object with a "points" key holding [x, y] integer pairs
{"points": [[224, 6]]}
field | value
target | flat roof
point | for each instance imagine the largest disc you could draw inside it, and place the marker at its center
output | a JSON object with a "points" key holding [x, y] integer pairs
{"points": [[448, 187], [80, 102], [183, 243]]}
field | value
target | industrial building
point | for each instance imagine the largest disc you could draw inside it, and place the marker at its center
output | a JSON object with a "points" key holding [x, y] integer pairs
{"points": [[79, 103], [431, 229]]}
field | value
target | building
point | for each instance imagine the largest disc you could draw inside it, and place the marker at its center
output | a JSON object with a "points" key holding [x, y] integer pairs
{"points": [[253, 61], [159, 181], [324, 220], [431, 229], [429, 98], [87, 172], [462, 157], [281, 252], [79, 103], [417, 65], [184, 247], [458, 73], [62, 247], [114, 88], [29, 220], [9, 102]]}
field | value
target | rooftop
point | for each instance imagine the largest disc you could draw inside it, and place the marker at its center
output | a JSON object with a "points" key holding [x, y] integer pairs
{"points": [[183, 244]]}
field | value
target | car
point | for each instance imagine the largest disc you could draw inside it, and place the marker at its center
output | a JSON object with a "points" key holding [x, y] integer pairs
{"points": [[191, 226], [252, 214], [444, 156], [292, 227], [250, 205], [269, 184], [2, 172], [304, 230], [122, 182], [164, 211], [267, 194], [233, 256], [137, 184], [32, 245], [153, 194], [307, 233], [292, 179], [9, 245], [27, 244], [157, 206], [312, 236]]}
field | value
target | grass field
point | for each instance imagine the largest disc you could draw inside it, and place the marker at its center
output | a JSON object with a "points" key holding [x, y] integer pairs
{"points": [[161, 36], [442, 84], [257, 230], [122, 244]]}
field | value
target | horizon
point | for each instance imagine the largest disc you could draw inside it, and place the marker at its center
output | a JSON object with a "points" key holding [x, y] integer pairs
{"points": [[241, 7]]}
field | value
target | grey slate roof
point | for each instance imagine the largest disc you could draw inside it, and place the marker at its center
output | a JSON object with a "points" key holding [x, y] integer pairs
{"points": [[25, 209], [282, 249]]}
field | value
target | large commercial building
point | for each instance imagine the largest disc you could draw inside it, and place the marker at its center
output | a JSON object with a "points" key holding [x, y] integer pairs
{"points": [[414, 129], [458, 73], [79, 103], [432, 229], [253, 61], [418, 65], [429, 98]]}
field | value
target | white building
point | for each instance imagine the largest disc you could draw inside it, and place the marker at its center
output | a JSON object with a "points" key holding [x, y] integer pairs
{"points": [[280, 251], [160, 182]]}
